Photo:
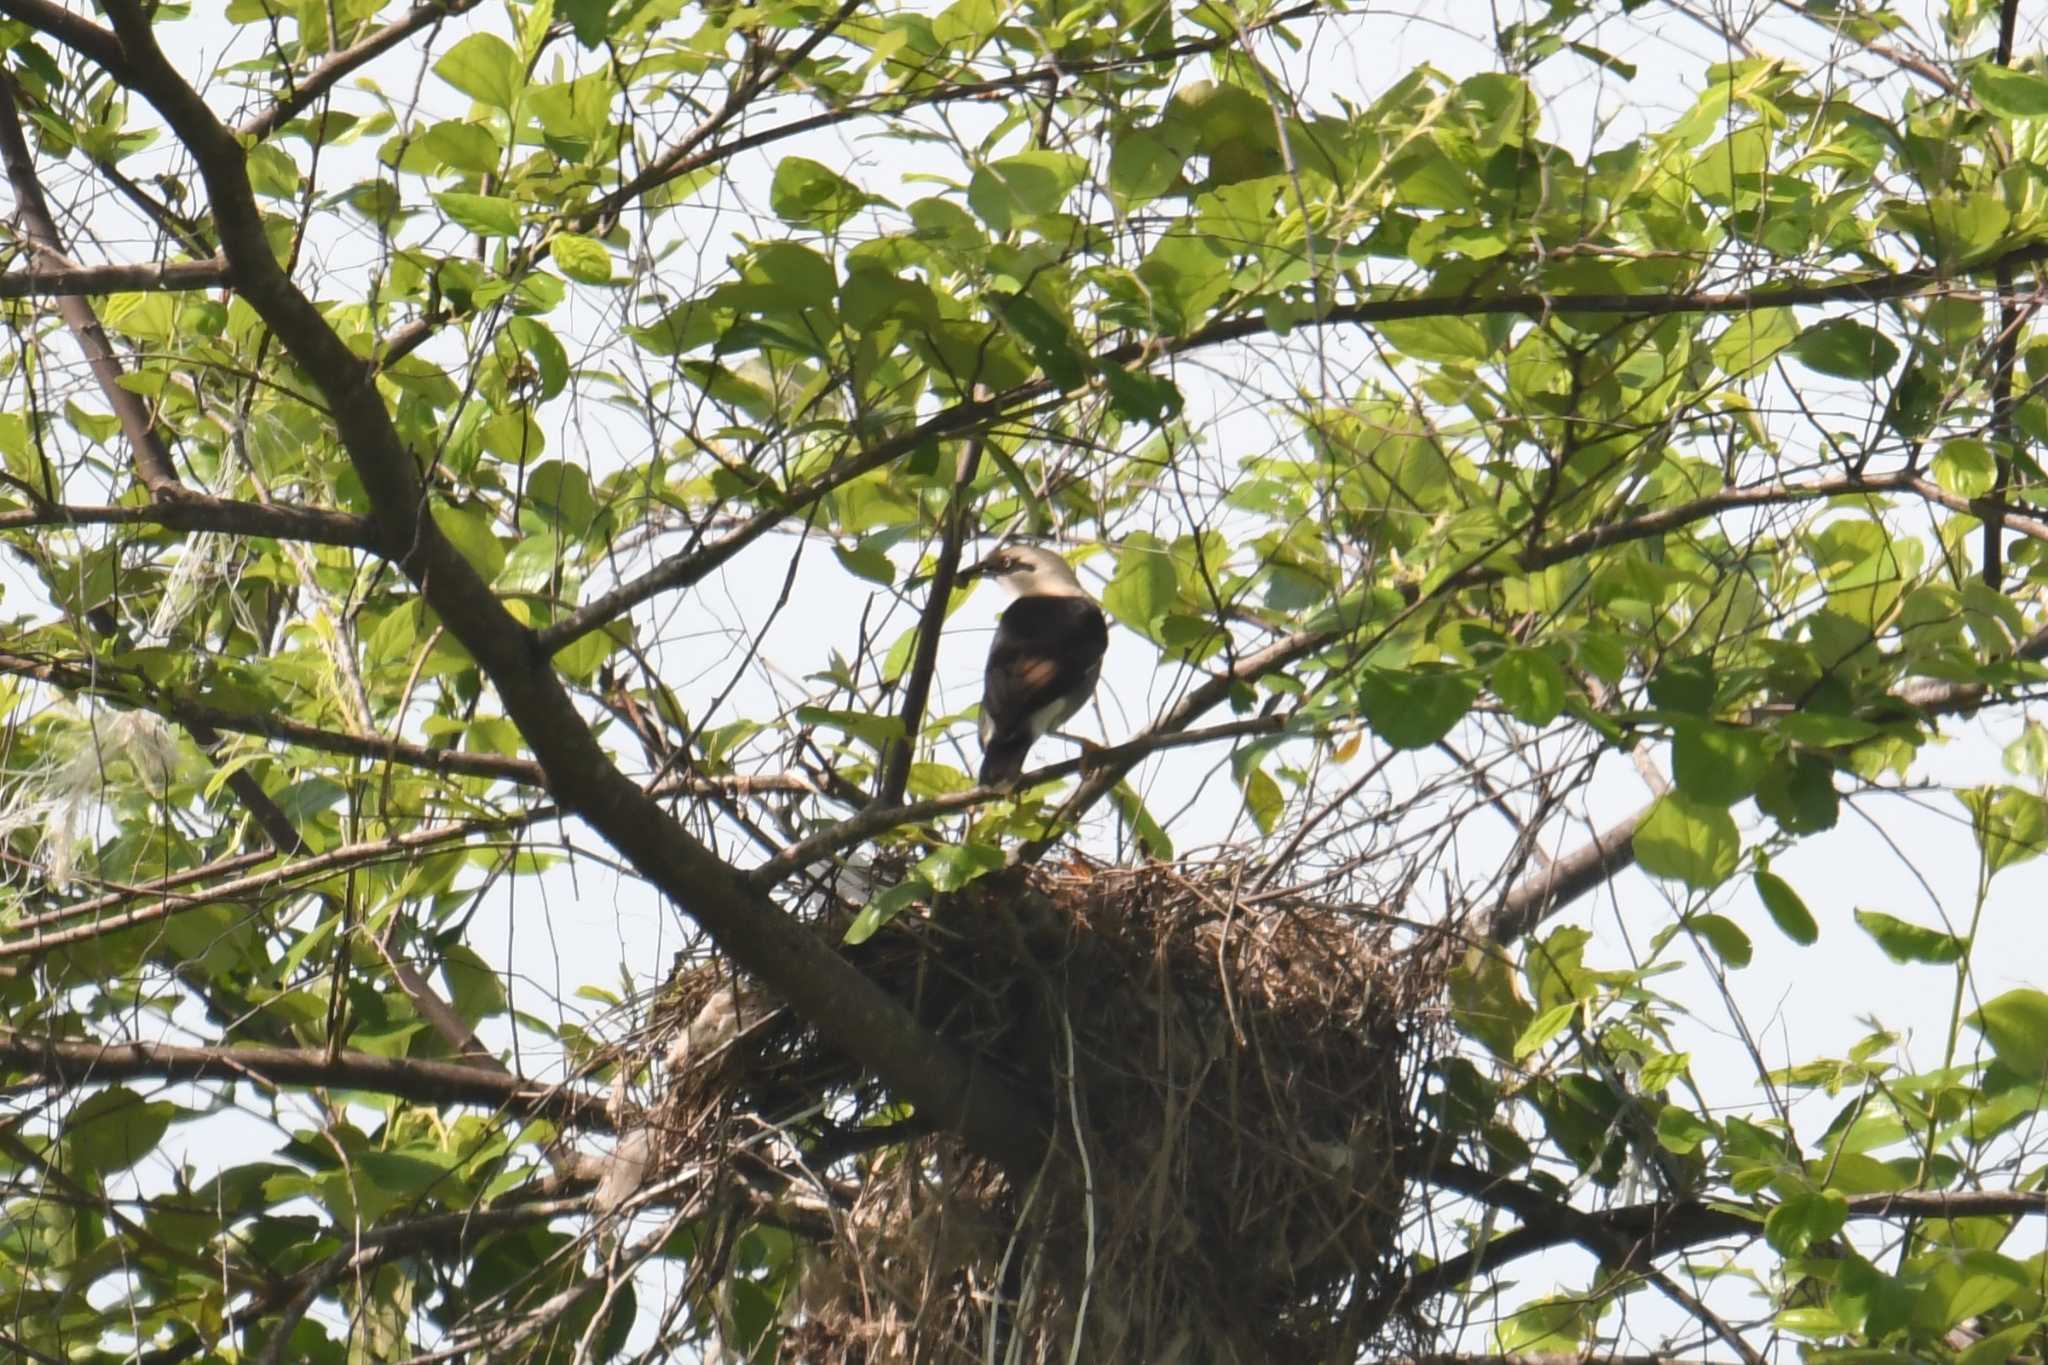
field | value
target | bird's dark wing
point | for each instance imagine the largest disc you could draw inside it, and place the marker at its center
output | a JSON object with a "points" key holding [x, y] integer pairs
{"points": [[1047, 650]]}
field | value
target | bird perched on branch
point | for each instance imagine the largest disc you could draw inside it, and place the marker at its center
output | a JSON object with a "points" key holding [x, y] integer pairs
{"points": [[1046, 657]]}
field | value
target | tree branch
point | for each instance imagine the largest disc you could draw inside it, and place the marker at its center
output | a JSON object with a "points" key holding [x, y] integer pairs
{"points": [[72, 1063], [918, 682], [324, 77], [944, 1083], [161, 277], [198, 512], [873, 819], [1659, 1228], [171, 900], [684, 570], [112, 684]]}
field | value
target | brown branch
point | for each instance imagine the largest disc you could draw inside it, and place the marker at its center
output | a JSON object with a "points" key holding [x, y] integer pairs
{"points": [[112, 684], [152, 460], [199, 512], [161, 277], [73, 1063], [171, 900], [684, 570], [1660, 1228], [82, 36], [918, 682], [872, 820], [1563, 881], [944, 1083], [1873, 288], [337, 67]]}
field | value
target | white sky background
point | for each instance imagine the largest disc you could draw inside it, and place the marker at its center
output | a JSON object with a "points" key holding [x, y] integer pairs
{"points": [[1909, 855]]}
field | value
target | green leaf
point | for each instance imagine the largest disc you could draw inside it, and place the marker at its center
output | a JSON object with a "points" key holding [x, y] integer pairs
{"points": [[1965, 467], [1531, 684], [485, 68], [1998, 1348], [590, 19], [583, 259], [1048, 339], [1718, 765], [1787, 910], [877, 731], [1682, 1131], [114, 1129], [1845, 349], [1143, 166], [1010, 192], [538, 343], [484, 214], [884, 907], [1688, 842], [1543, 1028], [1141, 396], [1553, 1326], [2009, 93], [1152, 836], [1414, 708], [1486, 1003], [2010, 825], [1904, 942], [1146, 584], [1752, 340], [1262, 798], [866, 560], [810, 194], [474, 986], [1799, 793], [469, 530], [1724, 936], [955, 865], [2016, 1026], [1804, 1218]]}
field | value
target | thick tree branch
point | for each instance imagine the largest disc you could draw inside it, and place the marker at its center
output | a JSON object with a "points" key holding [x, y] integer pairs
{"points": [[944, 1084], [159, 277], [72, 1063], [196, 512]]}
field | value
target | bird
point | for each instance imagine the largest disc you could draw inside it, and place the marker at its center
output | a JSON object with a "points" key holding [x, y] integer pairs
{"points": [[1045, 660]]}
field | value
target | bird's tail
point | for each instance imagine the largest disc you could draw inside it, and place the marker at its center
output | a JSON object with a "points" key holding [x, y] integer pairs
{"points": [[1003, 759]]}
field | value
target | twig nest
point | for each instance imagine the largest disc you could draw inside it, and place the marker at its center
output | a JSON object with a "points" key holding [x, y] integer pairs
{"points": [[1232, 1080]]}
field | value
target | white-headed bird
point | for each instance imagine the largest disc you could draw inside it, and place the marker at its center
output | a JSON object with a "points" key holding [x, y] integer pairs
{"points": [[1046, 658]]}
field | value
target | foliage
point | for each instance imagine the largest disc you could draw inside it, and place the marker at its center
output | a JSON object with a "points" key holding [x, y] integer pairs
{"points": [[452, 371]]}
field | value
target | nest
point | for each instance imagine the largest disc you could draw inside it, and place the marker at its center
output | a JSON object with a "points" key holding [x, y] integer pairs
{"points": [[1233, 1081]]}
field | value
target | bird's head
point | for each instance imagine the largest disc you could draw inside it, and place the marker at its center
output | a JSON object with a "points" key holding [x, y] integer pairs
{"points": [[1030, 570]]}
